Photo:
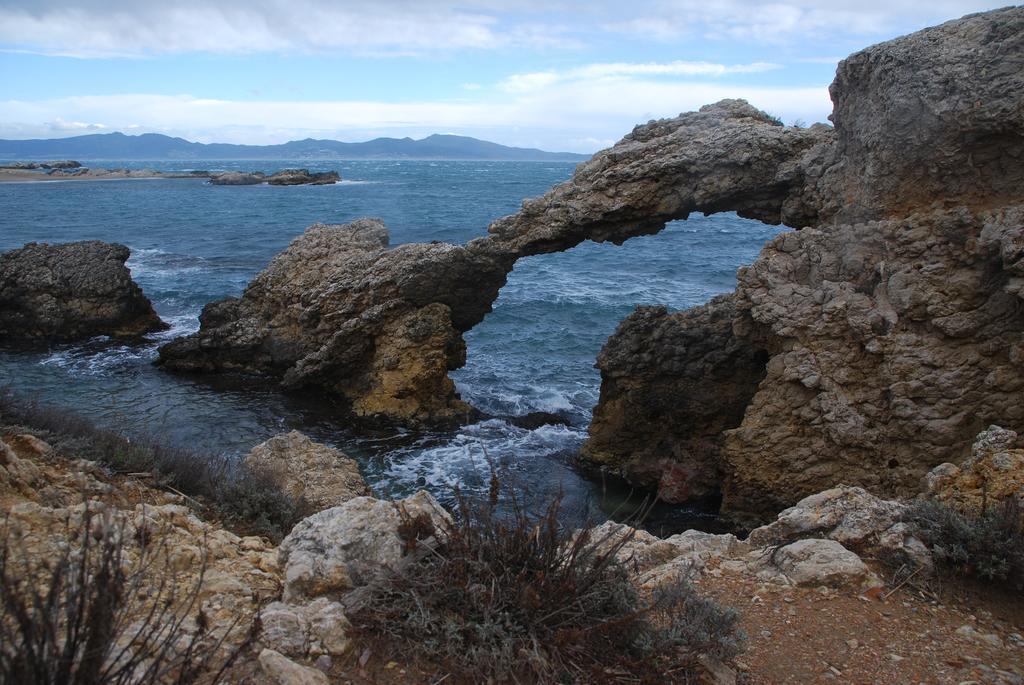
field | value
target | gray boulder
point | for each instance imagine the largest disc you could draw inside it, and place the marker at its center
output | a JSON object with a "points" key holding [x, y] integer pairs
{"points": [[337, 550], [816, 562]]}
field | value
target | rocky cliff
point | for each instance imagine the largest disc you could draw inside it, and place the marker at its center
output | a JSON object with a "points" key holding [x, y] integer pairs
{"points": [[892, 330], [866, 348], [71, 291]]}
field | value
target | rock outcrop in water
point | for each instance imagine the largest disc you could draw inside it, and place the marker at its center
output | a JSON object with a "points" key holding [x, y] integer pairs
{"points": [[864, 349], [340, 311], [71, 291], [285, 177], [70, 170], [54, 164], [672, 384]]}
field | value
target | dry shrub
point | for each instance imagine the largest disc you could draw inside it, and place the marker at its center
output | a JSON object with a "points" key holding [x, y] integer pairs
{"points": [[989, 545], [248, 500], [520, 598], [90, 616]]}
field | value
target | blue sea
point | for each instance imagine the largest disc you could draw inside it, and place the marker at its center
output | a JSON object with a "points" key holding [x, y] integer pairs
{"points": [[192, 242]]}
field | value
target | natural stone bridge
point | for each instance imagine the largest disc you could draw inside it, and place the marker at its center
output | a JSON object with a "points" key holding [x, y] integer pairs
{"points": [[865, 348]]}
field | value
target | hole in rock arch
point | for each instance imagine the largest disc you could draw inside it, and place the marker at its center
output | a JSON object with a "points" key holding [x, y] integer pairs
{"points": [[536, 350]]}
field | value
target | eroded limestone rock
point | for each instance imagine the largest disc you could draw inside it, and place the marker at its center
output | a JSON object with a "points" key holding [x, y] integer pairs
{"points": [[891, 333], [281, 670], [322, 476], [728, 156], [851, 516], [71, 291], [816, 562], [382, 328], [342, 548], [932, 117], [339, 311], [992, 474], [865, 349], [671, 385], [892, 342], [305, 630]]}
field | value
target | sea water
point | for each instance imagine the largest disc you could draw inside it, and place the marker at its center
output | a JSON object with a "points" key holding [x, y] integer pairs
{"points": [[193, 242]]}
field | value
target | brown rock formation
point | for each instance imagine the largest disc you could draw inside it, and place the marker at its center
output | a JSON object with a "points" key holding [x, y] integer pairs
{"points": [[71, 291], [992, 474], [340, 311], [671, 385], [322, 476], [382, 328], [727, 157], [894, 330]]}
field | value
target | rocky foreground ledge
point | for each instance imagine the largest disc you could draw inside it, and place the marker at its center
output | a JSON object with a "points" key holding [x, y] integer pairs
{"points": [[71, 291], [866, 348], [818, 601]]}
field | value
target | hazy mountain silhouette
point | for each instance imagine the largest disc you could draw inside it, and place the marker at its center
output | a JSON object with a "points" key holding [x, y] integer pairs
{"points": [[154, 146]]}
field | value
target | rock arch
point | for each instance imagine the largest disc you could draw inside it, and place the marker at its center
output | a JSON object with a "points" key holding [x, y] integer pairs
{"points": [[381, 327]]}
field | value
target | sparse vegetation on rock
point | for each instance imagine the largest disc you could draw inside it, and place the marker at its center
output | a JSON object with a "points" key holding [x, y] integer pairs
{"points": [[249, 499], [107, 606]]}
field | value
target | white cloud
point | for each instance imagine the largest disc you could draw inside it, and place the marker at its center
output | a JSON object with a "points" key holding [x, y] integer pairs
{"points": [[578, 115], [785, 21], [58, 125], [93, 28], [522, 83], [103, 28]]}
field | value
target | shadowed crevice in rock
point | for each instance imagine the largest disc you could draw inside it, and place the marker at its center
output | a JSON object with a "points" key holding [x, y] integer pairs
{"points": [[671, 385]]}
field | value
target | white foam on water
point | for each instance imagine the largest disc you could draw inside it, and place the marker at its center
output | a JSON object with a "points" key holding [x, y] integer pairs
{"points": [[180, 324], [150, 262], [81, 361], [465, 460]]}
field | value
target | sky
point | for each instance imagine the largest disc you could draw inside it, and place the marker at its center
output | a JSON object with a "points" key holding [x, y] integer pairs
{"points": [[562, 76]]}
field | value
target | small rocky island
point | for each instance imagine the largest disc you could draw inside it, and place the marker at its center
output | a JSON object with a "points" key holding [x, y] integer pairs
{"points": [[72, 170], [286, 177]]}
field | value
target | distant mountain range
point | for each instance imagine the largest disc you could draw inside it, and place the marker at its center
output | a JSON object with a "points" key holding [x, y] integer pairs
{"points": [[154, 146]]}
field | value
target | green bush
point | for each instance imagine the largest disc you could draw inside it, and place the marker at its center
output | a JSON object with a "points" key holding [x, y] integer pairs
{"points": [[989, 546]]}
